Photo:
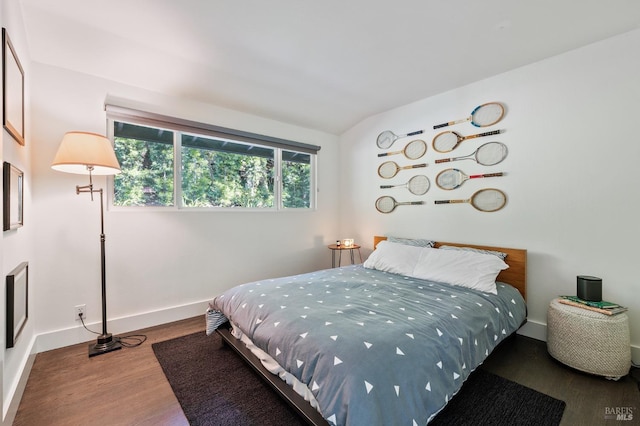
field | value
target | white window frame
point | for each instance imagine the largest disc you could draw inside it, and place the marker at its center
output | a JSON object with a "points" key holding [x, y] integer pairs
{"points": [[180, 126]]}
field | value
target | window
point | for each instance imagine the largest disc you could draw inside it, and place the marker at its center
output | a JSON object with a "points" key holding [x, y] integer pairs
{"points": [[147, 163], [172, 163], [219, 173], [296, 179]]}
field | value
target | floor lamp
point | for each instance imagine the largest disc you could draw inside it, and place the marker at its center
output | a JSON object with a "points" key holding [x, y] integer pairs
{"points": [[92, 154]]}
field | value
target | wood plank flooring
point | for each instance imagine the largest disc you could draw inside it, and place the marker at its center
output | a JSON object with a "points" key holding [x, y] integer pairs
{"points": [[127, 387], [526, 361]]}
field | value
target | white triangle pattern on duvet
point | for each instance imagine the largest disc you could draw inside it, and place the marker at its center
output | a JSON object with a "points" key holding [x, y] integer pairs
{"points": [[375, 321]]}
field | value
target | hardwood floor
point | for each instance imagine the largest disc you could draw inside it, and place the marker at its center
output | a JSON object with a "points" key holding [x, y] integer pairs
{"points": [[128, 387], [526, 361], [125, 387]]}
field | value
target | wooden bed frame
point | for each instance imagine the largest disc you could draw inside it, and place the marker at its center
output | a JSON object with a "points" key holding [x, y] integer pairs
{"points": [[516, 276]]}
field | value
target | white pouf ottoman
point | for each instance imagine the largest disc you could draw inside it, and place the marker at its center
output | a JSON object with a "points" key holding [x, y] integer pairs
{"points": [[589, 341]]}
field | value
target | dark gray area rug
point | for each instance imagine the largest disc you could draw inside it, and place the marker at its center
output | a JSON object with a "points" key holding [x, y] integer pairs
{"points": [[216, 388]]}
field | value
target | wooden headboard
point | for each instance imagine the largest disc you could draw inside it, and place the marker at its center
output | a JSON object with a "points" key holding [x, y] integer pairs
{"points": [[516, 275]]}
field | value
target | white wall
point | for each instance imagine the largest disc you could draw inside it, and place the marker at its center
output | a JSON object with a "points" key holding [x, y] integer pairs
{"points": [[16, 246], [572, 174], [160, 265]]}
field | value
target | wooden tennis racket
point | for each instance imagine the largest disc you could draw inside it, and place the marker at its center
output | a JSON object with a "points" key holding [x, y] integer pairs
{"points": [[449, 140], [388, 204], [413, 150], [484, 200], [389, 169], [482, 116], [418, 185], [453, 178], [387, 138], [487, 154]]}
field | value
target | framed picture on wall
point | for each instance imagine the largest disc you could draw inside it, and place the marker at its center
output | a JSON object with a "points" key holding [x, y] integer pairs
{"points": [[12, 90], [17, 302], [13, 197]]}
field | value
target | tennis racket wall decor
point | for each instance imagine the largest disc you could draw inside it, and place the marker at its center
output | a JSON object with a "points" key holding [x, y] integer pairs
{"points": [[387, 138], [449, 140], [389, 169], [453, 178], [485, 200], [413, 150], [388, 204], [487, 154], [482, 116], [417, 185]]}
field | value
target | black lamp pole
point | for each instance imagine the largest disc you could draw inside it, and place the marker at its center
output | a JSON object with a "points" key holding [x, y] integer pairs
{"points": [[105, 342]]}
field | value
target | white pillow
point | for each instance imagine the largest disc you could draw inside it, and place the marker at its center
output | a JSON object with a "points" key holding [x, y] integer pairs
{"points": [[394, 257], [463, 268]]}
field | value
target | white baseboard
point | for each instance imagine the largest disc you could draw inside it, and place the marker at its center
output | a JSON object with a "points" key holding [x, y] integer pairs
{"points": [[14, 394], [535, 330], [73, 335]]}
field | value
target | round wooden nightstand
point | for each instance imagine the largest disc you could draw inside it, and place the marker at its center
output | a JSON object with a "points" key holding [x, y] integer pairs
{"points": [[339, 248], [589, 341]]}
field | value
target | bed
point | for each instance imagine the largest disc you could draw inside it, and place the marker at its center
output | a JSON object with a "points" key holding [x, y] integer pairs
{"points": [[378, 343]]}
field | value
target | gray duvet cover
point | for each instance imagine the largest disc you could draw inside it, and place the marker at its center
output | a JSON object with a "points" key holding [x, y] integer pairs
{"points": [[374, 348]]}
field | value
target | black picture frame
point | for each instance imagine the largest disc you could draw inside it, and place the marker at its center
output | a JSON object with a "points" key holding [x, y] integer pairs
{"points": [[12, 90], [17, 302], [12, 197]]}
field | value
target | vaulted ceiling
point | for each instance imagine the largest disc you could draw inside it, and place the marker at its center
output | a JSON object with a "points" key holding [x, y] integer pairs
{"points": [[319, 64]]}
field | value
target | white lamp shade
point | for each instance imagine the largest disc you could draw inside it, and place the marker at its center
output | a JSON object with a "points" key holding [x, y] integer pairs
{"points": [[80, 152]]}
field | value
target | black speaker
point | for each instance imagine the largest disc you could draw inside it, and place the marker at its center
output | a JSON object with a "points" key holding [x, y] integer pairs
{"points": [[589, 288]]}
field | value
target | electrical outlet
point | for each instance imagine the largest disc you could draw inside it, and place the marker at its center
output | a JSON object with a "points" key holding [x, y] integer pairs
{"points": [[80, 311]]}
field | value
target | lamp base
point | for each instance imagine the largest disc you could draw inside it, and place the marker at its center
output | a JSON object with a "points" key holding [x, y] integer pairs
{"points": [[105, 343]]}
